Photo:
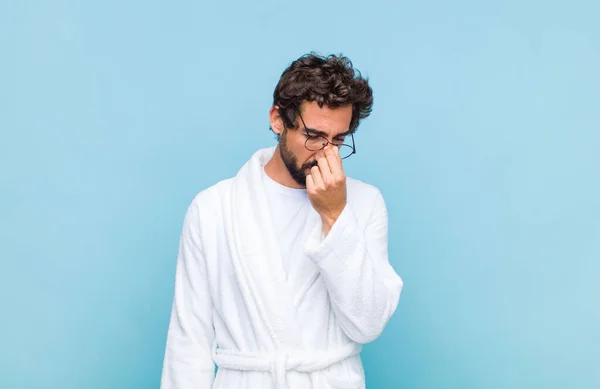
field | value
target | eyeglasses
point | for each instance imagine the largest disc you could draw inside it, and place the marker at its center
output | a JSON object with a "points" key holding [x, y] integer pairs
{"points": [[318, 142]]}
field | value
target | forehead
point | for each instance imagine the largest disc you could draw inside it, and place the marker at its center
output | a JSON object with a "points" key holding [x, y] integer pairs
{"points": [[328, 120]]}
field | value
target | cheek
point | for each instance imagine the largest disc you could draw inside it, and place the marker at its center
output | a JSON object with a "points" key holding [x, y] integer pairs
{"points": [[308, 156], [302, 154]]}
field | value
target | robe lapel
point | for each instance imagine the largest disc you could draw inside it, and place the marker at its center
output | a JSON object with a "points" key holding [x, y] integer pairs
{"points": [[257, 259]]}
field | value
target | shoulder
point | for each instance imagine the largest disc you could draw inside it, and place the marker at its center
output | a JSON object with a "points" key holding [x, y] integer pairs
{"points": [[362, 191], [366, 198], [210, 201]]}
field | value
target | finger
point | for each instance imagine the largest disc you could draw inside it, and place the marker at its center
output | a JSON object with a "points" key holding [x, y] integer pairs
{"points": [[325, 170], [334, 161], [310, 183], [322, 161], [316, 176]]}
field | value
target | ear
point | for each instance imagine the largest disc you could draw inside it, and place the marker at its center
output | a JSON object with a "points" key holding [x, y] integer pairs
{"points": [[276, 120]]}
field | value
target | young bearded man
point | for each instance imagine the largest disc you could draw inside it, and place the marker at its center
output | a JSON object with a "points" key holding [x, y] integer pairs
{"points": [[283, 270]]}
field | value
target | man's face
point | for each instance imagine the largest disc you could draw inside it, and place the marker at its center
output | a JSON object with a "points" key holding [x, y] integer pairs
{"points": [[329, 123]]}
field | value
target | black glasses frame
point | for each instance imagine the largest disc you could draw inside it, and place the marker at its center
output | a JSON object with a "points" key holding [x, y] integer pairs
{"points": [[309, 137]]}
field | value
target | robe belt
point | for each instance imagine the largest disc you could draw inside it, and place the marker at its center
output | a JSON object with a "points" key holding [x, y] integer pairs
{"points": [[279, 363]]}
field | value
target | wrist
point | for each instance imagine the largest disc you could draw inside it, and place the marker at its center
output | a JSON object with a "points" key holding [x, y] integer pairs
{"points": [[329, 218]]}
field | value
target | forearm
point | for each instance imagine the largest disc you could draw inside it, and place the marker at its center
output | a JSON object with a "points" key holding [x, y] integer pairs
{"points": [[363, 288]]}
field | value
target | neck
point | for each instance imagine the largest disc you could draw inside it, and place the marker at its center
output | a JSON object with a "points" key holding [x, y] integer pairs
{"points": [[278, 172]]}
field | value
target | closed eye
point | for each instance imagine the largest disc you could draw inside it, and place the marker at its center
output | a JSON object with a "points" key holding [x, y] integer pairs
{"points": [[337, 140]]}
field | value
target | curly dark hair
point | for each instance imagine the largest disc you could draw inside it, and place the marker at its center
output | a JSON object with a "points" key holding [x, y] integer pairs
{"points": [[329, 80]]}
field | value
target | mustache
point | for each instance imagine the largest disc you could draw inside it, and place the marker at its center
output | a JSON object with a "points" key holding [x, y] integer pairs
{"points": [[309, 165]]}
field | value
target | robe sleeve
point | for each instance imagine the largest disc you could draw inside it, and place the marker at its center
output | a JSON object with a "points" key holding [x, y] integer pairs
{"points": [[363, 288], [188, 359]]}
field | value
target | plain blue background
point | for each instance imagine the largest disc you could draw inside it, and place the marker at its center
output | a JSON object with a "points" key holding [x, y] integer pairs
{"points": [[484, 140]]}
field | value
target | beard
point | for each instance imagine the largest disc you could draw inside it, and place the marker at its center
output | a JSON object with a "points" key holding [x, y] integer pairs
{"points": [[290, 162]]}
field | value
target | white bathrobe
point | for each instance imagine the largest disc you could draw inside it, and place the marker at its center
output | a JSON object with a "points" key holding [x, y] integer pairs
{"points": [[235, 307]]}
